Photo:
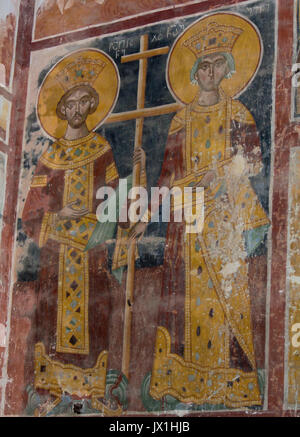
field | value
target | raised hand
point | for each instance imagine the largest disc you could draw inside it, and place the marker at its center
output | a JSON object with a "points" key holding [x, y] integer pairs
{"points": [[139, 156], [69, 212], [137, 231]]}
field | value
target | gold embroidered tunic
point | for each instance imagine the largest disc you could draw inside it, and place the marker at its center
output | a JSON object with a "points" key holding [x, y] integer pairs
{"points": [[204, 348], [71, 322]]}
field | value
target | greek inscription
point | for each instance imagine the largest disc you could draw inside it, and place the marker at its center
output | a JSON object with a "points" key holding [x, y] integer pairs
{"points": [[120, 47]]}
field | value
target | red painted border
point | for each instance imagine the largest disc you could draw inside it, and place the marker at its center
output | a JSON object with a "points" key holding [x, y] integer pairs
{"points": [[4, 147], [14, 149], [14, 154], [284, 139], [131, 22]]}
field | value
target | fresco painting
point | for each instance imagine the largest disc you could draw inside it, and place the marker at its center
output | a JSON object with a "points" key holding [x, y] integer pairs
{"points": [[149, 208], [215, 333], [169, 112]]}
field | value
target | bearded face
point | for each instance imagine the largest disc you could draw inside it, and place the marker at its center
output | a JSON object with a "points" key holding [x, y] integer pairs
{"points": [[77, 107], [77, 104]]}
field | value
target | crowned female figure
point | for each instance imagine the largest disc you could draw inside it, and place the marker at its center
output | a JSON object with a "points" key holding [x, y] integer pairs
{"points": [[204, 347]]}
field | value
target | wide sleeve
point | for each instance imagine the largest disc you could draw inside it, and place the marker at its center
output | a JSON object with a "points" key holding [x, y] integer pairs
{"points": [[245, 138], [111, 170], [43, 202], [172, 167], [105, 173], [246, 163]]}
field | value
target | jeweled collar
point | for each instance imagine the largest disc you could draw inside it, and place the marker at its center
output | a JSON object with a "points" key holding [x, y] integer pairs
{"points": [[69, 154]]}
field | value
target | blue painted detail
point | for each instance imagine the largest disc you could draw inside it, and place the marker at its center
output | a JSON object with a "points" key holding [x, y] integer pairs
{"points": [[73, 304], [222, 190], [254, 237]]}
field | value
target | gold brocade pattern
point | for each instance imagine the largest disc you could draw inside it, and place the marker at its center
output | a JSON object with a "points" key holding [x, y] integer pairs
{"points": [[75, 232], [76, 158], [73, 294], [61, 378], [217, 301], [111, 173], [190, 382], [73, 288], [66, 155]]}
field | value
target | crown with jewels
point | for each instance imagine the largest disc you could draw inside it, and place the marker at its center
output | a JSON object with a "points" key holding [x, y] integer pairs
{"points": [[213, 38], [83, 71]]}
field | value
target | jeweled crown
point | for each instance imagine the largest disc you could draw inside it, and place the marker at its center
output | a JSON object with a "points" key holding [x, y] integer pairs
{"points": [[83, 71], [213, 38]]}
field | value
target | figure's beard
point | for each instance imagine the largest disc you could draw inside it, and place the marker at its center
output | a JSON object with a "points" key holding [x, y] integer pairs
{"points": [[77, 121]]}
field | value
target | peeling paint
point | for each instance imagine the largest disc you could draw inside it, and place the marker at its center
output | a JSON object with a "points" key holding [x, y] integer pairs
{"points": [[2, 335]]}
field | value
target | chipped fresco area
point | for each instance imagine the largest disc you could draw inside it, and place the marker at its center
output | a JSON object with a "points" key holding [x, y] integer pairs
{"points": [[8, 16]]}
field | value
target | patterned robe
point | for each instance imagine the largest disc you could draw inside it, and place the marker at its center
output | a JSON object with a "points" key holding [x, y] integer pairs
{"points": [[71, 324], [204, 348]]}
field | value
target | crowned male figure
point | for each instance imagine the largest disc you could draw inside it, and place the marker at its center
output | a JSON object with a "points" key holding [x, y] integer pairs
{"points": [[71, 324]]}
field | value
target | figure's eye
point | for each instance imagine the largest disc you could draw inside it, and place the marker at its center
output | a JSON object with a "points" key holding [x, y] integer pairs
{"points": [[70, 105], [204, 66], [219, 63], [84, 101]]}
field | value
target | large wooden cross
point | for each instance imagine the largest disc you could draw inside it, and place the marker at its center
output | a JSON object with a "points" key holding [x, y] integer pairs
{"points": [[139, 115]]}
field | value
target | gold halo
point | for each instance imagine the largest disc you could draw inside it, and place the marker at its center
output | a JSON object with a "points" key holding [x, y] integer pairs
{"points": [[107, 85], [247, 53]]}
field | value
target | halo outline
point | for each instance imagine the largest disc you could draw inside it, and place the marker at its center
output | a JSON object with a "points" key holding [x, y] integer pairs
{"points": [[252, 77], [114, 101]]}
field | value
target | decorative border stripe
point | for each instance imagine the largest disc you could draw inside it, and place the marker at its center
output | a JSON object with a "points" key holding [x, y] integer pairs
{"points": [[39, 181]]}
